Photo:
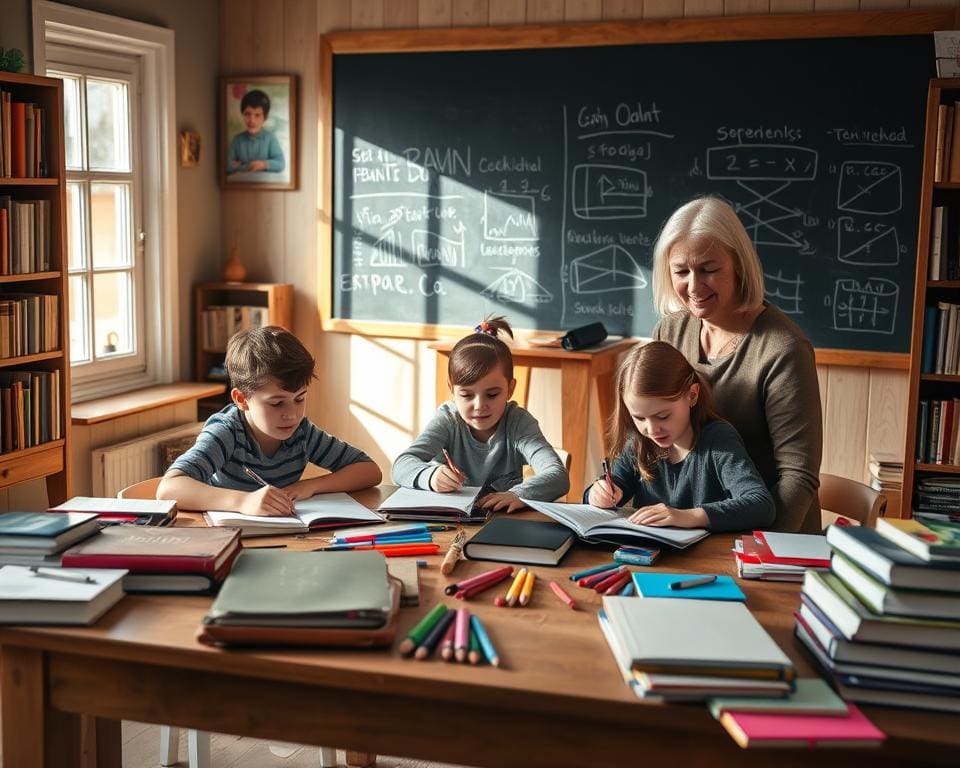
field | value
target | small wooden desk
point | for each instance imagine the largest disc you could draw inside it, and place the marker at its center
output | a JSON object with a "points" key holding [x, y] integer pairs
{"points": [[578, 372], [559, 701]]}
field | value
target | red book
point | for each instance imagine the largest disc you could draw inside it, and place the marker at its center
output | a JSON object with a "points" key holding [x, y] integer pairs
{"points": [[18, 139], [804, 549], [146, 549], [771, 729]]}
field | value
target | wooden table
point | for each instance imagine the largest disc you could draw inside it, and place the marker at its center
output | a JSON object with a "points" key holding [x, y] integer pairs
{"points": [[558, 701], [579, 371]]}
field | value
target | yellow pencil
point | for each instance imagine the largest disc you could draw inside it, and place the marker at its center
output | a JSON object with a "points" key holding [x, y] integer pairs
{"points": [[527, 591], [514, 592]]}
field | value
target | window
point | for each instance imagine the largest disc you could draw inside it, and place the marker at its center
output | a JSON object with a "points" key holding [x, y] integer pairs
{"points": [[121, 195]]}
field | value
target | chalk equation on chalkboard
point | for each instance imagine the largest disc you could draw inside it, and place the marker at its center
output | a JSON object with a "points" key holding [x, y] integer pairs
{"points": [[867, 307]]}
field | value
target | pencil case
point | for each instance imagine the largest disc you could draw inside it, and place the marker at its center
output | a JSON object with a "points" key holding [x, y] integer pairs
{"points": [[636, 555]]}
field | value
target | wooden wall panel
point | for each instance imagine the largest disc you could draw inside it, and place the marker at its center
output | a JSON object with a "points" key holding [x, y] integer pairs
{"points": [[582, 10], [469, 13], [703, 8], [398, 14], [791, 6], [622, 9], [846, 421], [435, 13], [544, 11], [506, 12], [366, 14], [662, 9], [886, 409]]}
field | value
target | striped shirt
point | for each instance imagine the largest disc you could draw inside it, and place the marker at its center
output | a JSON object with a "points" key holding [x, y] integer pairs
{"points": [[225, 447]]}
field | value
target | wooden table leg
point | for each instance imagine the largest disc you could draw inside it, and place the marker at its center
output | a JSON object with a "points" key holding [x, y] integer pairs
{"points": [[442, 388], [521, 394], [575, 404], [607, 399], [34, 736]]}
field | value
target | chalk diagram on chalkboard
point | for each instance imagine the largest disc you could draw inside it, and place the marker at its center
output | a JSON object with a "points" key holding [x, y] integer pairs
{"points": [[787, 290], [431, 249], [517, 287], [509, 217], [611, 268], [865, 307], [868, 246], [868, 186], [609, 192]]}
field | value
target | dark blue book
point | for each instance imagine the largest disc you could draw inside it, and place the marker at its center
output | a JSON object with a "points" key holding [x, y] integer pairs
{"points": [[513, 540], [44, 532], [922, 429], [929, 340]]}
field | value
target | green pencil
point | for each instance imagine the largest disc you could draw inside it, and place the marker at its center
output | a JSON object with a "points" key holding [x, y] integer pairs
{"points": [[420, 631]]}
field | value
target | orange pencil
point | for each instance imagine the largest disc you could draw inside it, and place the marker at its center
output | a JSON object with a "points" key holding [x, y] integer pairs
{"points": [[514, 592], [561, 593], [527, 592]]}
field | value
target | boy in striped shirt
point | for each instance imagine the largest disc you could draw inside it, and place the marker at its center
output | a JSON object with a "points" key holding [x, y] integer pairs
{"points": [[264, 435]]}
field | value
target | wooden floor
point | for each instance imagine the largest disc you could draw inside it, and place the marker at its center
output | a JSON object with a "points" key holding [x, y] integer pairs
{"points": [[141, 749]]}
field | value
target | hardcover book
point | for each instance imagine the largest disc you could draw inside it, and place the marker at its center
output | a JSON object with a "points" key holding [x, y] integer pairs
{"points": [[43, 532], [512, 540]]}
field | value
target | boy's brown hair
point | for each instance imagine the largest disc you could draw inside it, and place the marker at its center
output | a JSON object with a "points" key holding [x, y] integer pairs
{"points": [[258, 354], [655, 369], [474, 356]]}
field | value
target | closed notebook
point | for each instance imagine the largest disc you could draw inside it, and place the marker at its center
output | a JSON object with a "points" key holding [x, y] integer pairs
{"points": [[658, 585], [512, 540], [811, 696], [44, 532], [153, 511], [277, 588], [696, 637], [931, 541], [760, 729], [27, 598]]}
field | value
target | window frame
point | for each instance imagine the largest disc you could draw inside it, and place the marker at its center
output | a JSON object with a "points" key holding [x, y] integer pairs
{"points": [[68, 27]]}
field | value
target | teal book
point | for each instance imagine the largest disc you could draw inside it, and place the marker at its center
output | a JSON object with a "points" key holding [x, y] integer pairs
{"points": [[658, 585], [44, 532]]}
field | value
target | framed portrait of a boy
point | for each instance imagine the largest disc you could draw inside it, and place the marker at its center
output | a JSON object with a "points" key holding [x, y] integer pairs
{"points": [[259, 132]]}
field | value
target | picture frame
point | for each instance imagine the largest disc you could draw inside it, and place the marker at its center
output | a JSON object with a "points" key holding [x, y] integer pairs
{"points": [[258, 119], [190, 142]]}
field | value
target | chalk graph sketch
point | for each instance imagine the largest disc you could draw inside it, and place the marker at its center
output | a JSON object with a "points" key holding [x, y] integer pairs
{"points": [[509, 217], [609, 192], [784, 292], [765, 171], [431, 249], [388, 250], [517, 287], [868, 186], [865, 245], [611, 268], [868, 306]]}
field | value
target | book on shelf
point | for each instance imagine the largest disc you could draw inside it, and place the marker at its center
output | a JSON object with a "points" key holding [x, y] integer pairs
{"points": [[111, 509], [22, 138], [43, 533], [194, 560], [26, 247], [930, 541], [416, 504], [29, 324], [512, 540], [57, 596], [29, 408], [613, 525], [769, 729], [928, 360], [222, 322], [942, 111], [325, 510]]}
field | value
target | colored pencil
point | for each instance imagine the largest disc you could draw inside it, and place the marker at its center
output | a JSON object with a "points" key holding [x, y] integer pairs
{"points": [[527, 592], [437, 631], [461, 637], [493, 658], [590, 571], [420, 630], [561, 593], [483, 586], [513, 594], [446, 645], [418, 538], [475, 654], [615, 577], [614, 589], [479, 578], [627, 590], [407, 531], [403, 550], [596, 578]]}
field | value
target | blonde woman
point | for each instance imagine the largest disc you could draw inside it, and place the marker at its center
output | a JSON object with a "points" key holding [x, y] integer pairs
{"points": [[708, 291]]}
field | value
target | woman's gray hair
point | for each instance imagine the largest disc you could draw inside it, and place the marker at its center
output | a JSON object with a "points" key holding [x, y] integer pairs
{"points": [[711, 221]]}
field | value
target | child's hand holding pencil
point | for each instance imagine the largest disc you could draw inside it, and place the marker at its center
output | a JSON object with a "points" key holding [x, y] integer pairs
{"points": [[449, 478], [604, 492]]}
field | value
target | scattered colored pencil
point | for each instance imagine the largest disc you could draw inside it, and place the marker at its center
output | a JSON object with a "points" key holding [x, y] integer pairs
{"points": [[596, 578], [613, 578], [446, 645], [590, 571], [461, 637], [437, 631], [614, 589], [493, 658], [451, 589], [483, 586], [627, 590], [561, 593], [475, 654], [513, 594], [420, 630], [527, 592]]}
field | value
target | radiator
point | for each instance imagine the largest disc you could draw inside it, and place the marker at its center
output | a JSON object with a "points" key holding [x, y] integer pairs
{"points": [[117, 466]]}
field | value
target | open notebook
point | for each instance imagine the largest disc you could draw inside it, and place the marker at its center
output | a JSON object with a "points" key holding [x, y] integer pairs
{"points": [[326, 510], [415, 504], [596, 524]]}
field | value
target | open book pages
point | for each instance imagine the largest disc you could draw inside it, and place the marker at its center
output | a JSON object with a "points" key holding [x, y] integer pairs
{"points": [[326, 510], [413, 503], [596, 524]]}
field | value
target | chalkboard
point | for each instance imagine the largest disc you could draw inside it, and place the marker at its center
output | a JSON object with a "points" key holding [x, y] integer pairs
{"points": [[533, 182]]}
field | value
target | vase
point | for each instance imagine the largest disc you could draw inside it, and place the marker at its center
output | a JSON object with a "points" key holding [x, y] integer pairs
{"points": [[233, 269]]}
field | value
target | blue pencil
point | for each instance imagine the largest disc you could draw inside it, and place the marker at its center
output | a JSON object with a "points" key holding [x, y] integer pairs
{"points": [[382, 537], [488, 650], [590, 571], [398, 540], [627, 591]]}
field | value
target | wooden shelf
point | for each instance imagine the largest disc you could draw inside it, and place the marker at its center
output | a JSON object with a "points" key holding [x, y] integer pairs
{"points": [[943, 284], [149, 398], [947, 377], [944, 469], [49, 460]]}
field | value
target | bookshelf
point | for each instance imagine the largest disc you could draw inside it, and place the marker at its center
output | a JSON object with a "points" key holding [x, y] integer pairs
{"points": [[223, 309], [34, 333]]}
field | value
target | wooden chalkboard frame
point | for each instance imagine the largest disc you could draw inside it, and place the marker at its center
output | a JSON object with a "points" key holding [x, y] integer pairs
{"points": [[703, 29]]}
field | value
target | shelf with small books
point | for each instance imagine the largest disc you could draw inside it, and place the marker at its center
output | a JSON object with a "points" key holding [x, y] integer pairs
{"points": [[34, 336], [223, 309]]}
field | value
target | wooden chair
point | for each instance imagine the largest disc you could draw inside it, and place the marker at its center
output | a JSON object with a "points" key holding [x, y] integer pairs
{"points": [[145, 489], [849, 498]]}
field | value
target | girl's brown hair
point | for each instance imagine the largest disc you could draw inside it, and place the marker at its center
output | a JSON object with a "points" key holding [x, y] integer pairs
{"points": [[655, 369], [474, 356]]}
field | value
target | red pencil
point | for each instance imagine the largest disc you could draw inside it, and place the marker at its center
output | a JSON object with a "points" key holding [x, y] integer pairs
{"points": [[478, 579], [483, 586], [562, 594], [615, 588], [402, 550], [600, 586], [596, 578]]}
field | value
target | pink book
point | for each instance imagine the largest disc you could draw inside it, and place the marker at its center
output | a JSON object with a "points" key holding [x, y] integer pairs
{"points": [[760, 729]]}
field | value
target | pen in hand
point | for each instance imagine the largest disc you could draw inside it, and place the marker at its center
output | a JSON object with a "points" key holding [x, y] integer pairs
{"points": [[605, 466], [254, 476], [697, 582], [454, 467]]}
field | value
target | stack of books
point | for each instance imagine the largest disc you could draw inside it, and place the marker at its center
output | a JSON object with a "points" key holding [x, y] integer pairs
{"points": [[220, 323], [886, 473], [938, 431], [274, 597], [175, 560], [884, 622], [38, 538], [57, 596], [111, 510], [770, 556], [937, 497], [659, 647]]}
